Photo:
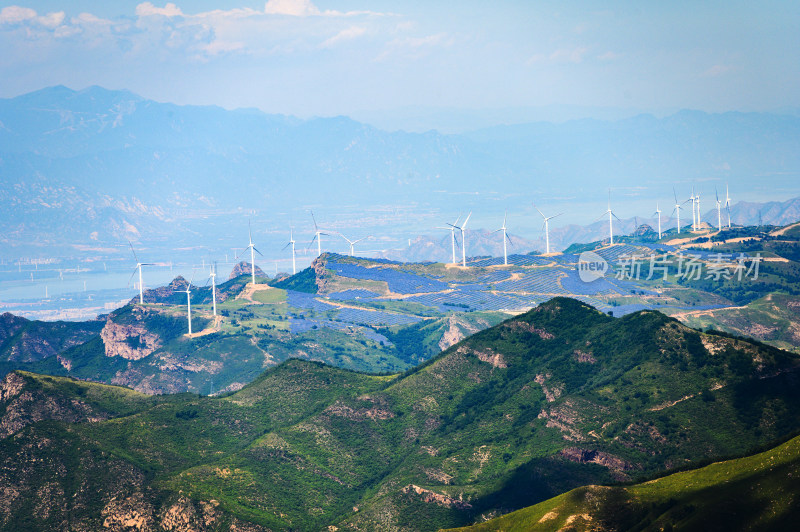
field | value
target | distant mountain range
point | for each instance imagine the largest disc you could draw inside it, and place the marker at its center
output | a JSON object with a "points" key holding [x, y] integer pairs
{"points": [[98, 165]]}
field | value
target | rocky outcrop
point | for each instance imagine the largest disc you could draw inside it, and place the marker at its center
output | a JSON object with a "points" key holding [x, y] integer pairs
{"points": [[487, 355], [552, 392], [590, 456], [243, 268], [436, 498], [9, 325], [457, 330], [582, 356], [129, 513], [129, 341], [27, 405], [528, 327], [320, 273], [374, 413]]}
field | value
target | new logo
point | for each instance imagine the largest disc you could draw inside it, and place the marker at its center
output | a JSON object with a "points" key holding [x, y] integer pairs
{"points": [[591, 266]]}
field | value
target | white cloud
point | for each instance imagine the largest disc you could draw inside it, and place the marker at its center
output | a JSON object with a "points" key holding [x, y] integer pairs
{"points": [[16, 14], [609, 56], [347, 34], [51, 20], [296, 8], [146, 9], [717, 70]]}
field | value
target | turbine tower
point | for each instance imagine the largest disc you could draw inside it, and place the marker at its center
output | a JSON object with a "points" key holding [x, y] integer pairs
{"points": [[728, 205], [189, 302], [505, 238], [677, 209], [138, 267], [658, 212], [213, 277], [611, 217], [352, 242], [291, 243], [719, 210], [317, 235], [253, 251], [546, 226], [697, 202], [694, 218], [462, 228], [452, 228]]}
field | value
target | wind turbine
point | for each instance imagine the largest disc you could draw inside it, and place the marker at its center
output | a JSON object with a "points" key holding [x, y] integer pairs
{"points": [[291, 243], [213, 277], [452, 228], [546, 226], [138, 267], [462, 228], [719, 210], [611, 216], [253, 251], [352, 242], [505, 238], [677, 209], [658, 212], [189, 302], [728, 205], [697, 202], [694, 220], [317, 235]]}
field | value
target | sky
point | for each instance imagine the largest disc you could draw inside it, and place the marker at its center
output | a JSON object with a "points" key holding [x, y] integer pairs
{"points": [[377, 58]]}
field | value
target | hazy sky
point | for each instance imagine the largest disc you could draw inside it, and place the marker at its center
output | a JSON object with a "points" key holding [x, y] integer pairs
{"points": [[330, 57]]}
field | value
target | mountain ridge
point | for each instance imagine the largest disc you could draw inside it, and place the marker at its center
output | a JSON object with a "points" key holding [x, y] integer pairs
{"points": [[530, 408], [108, 149]]}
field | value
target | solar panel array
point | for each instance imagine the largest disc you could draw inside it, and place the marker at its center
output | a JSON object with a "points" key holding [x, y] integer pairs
{"points": [[573, 284], [377, 318], [348, 295], [398, 281], [301, 300], [473, 300], [522, 286], [537, 280]]}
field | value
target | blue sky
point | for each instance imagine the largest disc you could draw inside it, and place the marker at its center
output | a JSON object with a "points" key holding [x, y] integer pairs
{"points": [[331, 57]]}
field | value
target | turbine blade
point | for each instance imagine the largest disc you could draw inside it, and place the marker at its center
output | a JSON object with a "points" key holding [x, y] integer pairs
{"points": [[134, 252], [464, 226], [286, 246], [134, 273], [257, 251]]}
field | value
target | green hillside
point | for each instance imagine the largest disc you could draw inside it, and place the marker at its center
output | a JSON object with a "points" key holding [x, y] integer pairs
{"points": [[556, 398], [759, 492], [774, 319], [384, 317]]}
